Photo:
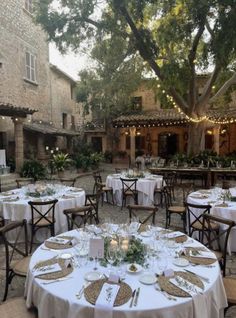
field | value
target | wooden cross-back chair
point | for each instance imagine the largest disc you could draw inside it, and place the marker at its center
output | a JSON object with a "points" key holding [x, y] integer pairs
{"points": [[92, 200], [16, 253], [21, 182], [70, 182], [129, 189], [195, 214], [143, 213], [217, 241], [78, 217], [42, 216]]}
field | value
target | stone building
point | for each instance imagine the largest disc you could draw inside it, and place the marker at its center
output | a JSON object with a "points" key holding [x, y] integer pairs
{"points": [[29, 82], [163, 132]]}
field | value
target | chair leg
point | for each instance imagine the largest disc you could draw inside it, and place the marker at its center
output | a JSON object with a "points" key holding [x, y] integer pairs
{"points": [[32, 237]]}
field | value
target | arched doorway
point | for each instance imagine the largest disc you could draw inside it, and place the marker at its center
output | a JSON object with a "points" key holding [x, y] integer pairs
{"points": [[167, 144]]}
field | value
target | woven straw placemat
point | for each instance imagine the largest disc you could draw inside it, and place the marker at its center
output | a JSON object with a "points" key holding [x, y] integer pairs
{"points": [[176, 291], [180, 239], [201, 260], [58, 246], [64, 272], [92, 292]]}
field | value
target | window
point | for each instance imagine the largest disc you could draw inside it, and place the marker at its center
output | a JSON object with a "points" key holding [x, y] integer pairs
{"points": [[72, 122], [137, 103], [64, 120], [29, 5], [30, 65]]}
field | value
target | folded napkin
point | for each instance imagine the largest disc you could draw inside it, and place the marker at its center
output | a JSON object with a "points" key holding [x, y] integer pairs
{"points": [[47, 269], [185, 285], [105, 301], [59, 240], [199, 301], [203, 254], [174, 234]]}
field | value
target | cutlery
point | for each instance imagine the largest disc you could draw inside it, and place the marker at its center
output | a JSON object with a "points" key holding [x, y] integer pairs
{"points": [[132, 298], [56, 280], [168, 296], [136, 297], [205, 279], [81, 291]]}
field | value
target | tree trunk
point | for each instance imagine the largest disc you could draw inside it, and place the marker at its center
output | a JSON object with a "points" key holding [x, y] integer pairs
{"points": [[196, 138]]}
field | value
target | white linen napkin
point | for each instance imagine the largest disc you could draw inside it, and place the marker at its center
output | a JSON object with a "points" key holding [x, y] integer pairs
{"points": [[174, 234], [59, 240], [203, 254], [47, 269], [199, 300], [105, 301]]}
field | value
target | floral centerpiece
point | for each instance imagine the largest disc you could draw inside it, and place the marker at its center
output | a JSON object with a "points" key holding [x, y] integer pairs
{"points": [[134, 174], [135, 252], [39, 190]]}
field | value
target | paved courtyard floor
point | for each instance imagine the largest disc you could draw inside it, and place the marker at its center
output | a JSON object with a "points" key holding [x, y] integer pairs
{"points": [[119, 216]]}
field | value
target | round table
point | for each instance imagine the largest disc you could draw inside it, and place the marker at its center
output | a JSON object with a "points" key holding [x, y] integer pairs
{"points": [[226, 210], [14, 205], [58, 299], [145, 188]]}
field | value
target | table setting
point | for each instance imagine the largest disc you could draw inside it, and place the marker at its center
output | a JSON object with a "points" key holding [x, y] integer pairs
{"points": [[223, 204], [146, 184], [14, 204], [120, 273]]}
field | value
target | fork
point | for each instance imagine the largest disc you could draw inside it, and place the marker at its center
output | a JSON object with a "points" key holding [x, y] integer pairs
{"points": [[81, 291]]}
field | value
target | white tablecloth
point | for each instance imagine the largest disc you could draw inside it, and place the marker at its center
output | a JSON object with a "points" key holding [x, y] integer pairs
{"points": [[20, 209], [229, 212], [59, 299], [145, 187]]}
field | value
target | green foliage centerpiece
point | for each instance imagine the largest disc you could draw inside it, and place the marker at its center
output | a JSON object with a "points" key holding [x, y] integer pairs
{"points": [[39, 190], [135, 250]]}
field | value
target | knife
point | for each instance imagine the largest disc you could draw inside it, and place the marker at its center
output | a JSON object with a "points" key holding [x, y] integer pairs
{"points": [[132, 298], [136, 297], [205, 279]]}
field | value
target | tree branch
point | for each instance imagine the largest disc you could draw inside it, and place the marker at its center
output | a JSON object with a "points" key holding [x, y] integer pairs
{"points": [[147, 56], [191, 58], [224, 88], [208, 87]]}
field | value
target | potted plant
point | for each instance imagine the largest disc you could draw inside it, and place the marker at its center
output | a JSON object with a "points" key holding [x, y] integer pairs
{"points": [[60, 162], [33, 169]]}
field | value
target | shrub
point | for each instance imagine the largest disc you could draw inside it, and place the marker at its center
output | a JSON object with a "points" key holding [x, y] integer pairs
{"points": [[33, 169]]}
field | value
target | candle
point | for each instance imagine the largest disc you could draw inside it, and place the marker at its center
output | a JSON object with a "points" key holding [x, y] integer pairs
{"points": [[113, 243]]}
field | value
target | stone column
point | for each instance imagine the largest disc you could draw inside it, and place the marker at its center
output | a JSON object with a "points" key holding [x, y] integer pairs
{"points": [[41, 154], [216, 134], [19, 142], [132, 145]]}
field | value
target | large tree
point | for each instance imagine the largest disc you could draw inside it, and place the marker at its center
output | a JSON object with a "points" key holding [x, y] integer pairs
{"points": [[175, 38]]}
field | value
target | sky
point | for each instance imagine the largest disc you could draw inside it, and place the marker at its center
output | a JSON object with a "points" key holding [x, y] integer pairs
{"points": [[70, 63]]}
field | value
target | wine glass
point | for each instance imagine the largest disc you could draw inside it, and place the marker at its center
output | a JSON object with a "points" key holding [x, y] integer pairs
{"points": [[111, 256]]}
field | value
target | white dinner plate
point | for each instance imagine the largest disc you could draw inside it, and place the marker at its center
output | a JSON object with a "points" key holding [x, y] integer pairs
{"points": [[148, 279], [92, 276], [182, 262], [131, 268], [65, 256]]}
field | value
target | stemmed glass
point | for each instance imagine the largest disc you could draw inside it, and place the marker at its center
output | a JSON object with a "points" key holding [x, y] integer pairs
{"points": [[111, 256]]}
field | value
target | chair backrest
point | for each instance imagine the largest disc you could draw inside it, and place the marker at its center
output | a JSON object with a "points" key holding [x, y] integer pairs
{"points": [[129, 186], [21, 182], [76, 217], [92, 200], [70, 182], [19, 246], [42, 211], [143, 213], [169, 179], [195, 214], [217, 240], [97, 182]]}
